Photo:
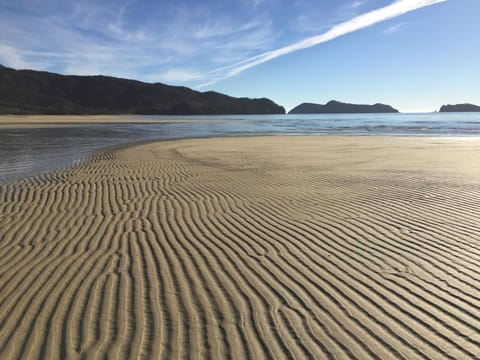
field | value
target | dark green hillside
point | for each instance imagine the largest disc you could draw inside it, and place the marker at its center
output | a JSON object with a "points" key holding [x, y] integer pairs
{"points": [[460, 108], [36, 92], [336, 107]]}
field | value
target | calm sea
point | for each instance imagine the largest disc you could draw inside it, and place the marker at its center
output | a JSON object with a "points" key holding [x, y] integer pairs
{"points": [[25, 152]]}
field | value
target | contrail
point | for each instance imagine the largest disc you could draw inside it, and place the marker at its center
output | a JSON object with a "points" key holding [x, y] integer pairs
{"points": [[393, 10]]}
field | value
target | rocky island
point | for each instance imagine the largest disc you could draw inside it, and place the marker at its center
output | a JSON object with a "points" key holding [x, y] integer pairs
{"points": [[27, 92], [460, 108], [336, 107]]}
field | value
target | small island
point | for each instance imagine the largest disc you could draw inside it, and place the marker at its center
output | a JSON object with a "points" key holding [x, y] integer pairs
{"points": [[460, 108], [336, 107]]}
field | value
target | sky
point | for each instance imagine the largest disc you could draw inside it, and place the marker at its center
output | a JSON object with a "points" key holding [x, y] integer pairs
{"points": [[412, 54]]}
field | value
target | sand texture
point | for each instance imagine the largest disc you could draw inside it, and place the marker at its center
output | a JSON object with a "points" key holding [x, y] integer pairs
{"points": [[267, 247], [36, 121]]}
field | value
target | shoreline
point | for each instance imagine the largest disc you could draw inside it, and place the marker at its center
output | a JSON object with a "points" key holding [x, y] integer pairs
{"points": [[420, 125], [274, 246], [113, 148], [49, 121]]}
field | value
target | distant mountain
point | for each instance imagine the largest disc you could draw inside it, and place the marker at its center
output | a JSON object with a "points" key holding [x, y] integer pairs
{"points": [[336, 107], [460, 108], [36, 92]]}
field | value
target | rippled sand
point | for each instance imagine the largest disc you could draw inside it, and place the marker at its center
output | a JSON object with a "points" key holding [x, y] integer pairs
{"points": [[266, 247]]}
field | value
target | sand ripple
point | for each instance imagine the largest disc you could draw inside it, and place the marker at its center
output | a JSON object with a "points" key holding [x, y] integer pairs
{"points": [[325, 248]]}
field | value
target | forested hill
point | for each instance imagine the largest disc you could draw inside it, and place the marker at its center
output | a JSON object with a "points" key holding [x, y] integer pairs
{"points": [[336, 107], [37, 92], [460, 108]]}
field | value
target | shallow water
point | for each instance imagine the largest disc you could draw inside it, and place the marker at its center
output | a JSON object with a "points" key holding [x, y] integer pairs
{"points": [[30, 151]]}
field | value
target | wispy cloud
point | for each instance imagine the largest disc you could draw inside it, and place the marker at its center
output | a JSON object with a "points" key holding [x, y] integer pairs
{"points": [[314, 19], [253, 3], [357, 3], [391, 11], [9, 56], [395, 28], [178, 75], [176, 41]]}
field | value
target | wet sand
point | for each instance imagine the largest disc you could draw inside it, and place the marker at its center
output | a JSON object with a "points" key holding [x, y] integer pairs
{"points": [[262, 247], [47, 121]]}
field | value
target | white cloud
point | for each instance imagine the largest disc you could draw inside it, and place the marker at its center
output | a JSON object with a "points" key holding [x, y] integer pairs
{"points": [[253, 3], [91, 37], [395, 28], [116, 37], [391, 11], [176, 75], [11, 57], [314, 19], [356, 4]]}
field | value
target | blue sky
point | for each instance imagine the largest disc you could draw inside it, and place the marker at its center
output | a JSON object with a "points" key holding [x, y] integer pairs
{"points": [[413, 54]]}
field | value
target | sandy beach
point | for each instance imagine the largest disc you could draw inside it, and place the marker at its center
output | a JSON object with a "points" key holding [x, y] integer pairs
{"points": [[282, 247], [36, 121]]}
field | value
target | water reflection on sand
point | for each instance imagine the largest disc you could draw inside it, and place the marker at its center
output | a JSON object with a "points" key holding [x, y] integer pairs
{"points": [[30, 150]]}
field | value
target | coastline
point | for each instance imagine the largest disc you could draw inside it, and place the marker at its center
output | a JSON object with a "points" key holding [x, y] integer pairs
{"points": [[46, 121], [90, 154], [346, 246]]}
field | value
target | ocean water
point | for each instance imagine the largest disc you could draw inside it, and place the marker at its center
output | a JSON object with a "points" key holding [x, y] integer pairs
{"points": [[30, 151]]}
